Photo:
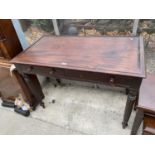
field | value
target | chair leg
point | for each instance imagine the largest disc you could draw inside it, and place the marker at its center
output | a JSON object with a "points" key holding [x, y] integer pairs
{"points": [[137, 121]]}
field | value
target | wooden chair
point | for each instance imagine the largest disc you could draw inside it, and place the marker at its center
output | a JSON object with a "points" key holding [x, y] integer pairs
{"points": [[146, 107]]}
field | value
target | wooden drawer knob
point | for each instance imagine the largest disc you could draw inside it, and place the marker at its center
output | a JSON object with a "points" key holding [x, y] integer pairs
{"points": [[29, 69], [112, 80], [51, 71]]}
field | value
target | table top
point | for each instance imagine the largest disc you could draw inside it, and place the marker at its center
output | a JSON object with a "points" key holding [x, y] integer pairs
{"points": [[147, 93], [114, 55]]}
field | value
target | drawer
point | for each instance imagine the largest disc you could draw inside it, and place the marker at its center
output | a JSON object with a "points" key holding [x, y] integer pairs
{"points": [[149, 121], [69, 74], [90, 76], [103, 78], [45, 71], [80, 75]]}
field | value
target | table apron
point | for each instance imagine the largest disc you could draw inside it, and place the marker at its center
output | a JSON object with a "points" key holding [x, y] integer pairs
{"points": [[80, 75]]}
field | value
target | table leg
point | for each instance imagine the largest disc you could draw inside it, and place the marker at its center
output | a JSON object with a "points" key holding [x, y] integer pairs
{"points": [[25, 90], [129, 106], [35, 88], [136, 102], [137, 121]]}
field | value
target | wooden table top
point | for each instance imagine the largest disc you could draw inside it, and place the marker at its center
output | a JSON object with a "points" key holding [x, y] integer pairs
{"points": [[114, 55], [147, 94]]}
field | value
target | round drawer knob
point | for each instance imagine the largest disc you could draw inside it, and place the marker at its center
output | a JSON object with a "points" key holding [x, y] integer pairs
{"points": [[51, 71], [29, 69], [112, 80]]}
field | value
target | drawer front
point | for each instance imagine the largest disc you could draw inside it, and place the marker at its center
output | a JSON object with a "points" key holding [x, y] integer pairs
{"points": [[45, 71], [109, 79], [149, 121]]}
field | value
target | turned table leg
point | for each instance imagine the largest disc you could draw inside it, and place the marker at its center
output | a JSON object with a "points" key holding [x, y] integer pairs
{"points": [[129, 106], [137, 121]]}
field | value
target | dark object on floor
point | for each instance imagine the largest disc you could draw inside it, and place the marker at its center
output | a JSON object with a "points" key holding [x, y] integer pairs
{"points": [[53, 101], [8, 104], [146, 107], [22, 112]]}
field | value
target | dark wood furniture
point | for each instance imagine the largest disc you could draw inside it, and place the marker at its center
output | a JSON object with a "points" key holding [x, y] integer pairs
{"points": [[9, 88], [115, 61], [9, 47], [9, 43], [146, 107]]}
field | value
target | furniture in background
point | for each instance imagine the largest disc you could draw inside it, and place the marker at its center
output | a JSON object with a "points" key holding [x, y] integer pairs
{"points": [[146, 107], [9, 42], [115, 61], [9, 47], [9, 88]]}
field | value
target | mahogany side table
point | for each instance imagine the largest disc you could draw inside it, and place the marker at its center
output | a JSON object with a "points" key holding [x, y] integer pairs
{"points": [[115, 61]]}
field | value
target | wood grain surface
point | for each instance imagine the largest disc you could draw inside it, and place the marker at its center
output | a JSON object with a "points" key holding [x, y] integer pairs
{"points": [[114, 55]]}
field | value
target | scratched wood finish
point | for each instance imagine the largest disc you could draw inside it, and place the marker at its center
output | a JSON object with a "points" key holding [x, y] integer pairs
{"points": [[114, 55]]}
